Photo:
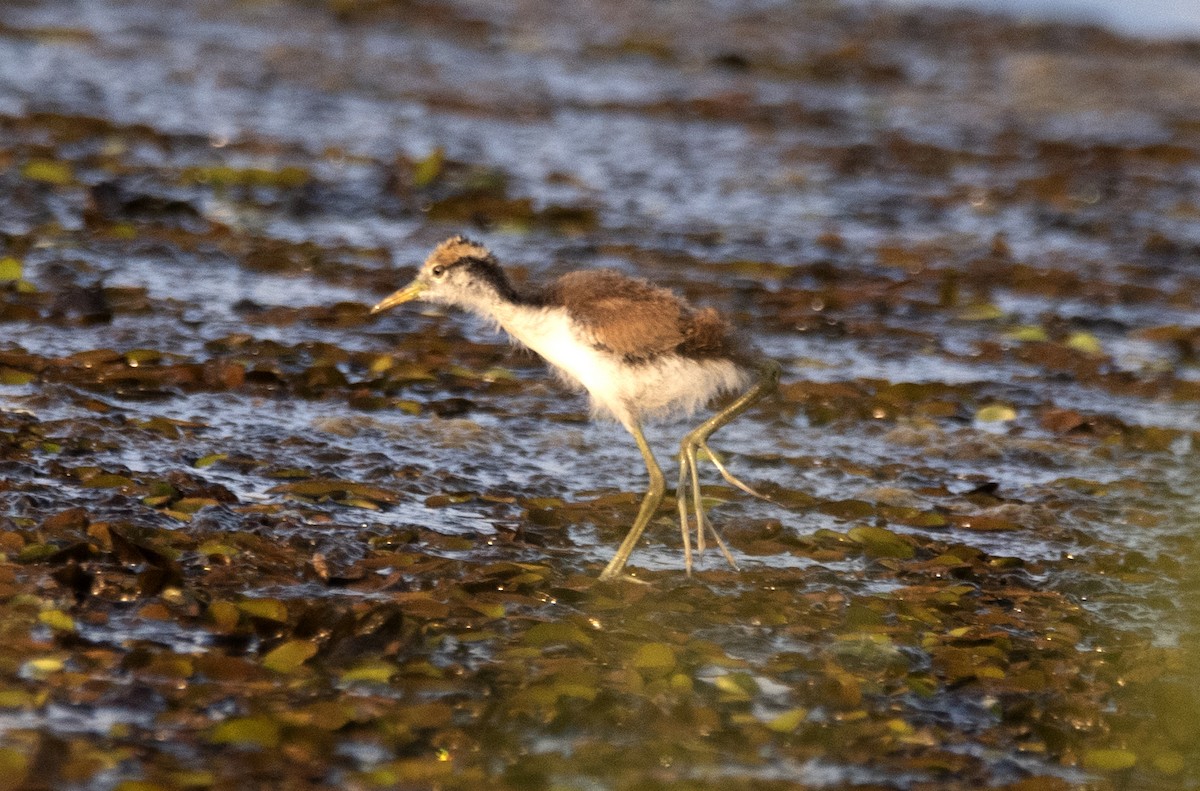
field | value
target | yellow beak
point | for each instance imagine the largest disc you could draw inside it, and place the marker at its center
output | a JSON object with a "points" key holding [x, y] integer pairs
{"points": [[409, 292]]}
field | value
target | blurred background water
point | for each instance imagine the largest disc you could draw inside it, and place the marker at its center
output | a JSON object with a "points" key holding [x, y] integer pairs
{"points": [[1150, 18]]}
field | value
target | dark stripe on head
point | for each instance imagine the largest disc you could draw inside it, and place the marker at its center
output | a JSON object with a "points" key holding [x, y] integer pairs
{"points": [[488, 271]]}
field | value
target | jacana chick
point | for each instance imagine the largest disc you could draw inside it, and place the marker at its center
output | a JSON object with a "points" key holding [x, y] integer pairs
{"points": [[639, 351]]}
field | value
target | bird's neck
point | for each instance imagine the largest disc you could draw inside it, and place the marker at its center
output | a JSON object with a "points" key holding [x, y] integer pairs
{"points": [[529, 323], [502, 306], [512, 315]]}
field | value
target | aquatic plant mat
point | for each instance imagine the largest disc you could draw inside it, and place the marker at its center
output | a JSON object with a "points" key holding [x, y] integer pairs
{"points": [[252, 538]]}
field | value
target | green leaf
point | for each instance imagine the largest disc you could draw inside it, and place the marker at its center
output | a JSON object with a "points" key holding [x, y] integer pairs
{"points": [[788, 721], [488, 609], [14, 766], [657, 658], [545, 634], [48, 171], [108, 481], [879, 542], [374, 672], [10, 269], [42, 667], [138, 357], [257, 731], [266, 609], [984, 311], [1109, 760], [217, 549], [429, 168], [226, 176], [1027, 333], [739, 686], [33, 553], [996, 413], [288, 657], [190, 505], [223, 615], [11, 377], [571, 689], [57, 620], [1085, 342], [337, 490], [141, 785], [18, 699], [1169, 762]]}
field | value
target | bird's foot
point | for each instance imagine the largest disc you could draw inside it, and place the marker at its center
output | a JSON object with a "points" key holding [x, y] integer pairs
{"points": [[728, 476], [622, 577], [704, 525], [689, 489], [724, 549]]}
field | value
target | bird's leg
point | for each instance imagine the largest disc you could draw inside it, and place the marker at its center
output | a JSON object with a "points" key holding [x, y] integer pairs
{"points": [[688, 455], [698, 438], [681, 502], [650, 503]]}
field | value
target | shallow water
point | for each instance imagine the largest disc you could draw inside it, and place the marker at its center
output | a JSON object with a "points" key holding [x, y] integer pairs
{"points": [[356, 553]]}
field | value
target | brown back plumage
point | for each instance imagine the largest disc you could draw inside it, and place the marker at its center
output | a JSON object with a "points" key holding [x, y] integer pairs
{"points": [[636, 319], [707, 335]]}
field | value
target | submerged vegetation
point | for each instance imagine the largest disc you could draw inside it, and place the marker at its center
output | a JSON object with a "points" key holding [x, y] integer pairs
{"points": [[251, 537]]}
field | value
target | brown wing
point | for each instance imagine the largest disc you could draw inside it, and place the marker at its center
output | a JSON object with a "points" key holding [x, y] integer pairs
{"points": [[627, 316], [707, 335], [636, 319]]}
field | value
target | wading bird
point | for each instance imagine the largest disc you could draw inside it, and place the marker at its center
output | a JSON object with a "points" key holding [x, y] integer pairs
{"points": [[639, 351]]}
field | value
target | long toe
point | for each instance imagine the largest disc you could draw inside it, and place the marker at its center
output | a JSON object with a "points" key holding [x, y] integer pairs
{"points": [[728, 476], [724, 548]]}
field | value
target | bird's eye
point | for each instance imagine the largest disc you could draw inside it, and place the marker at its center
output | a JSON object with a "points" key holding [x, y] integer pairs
{"points": [[438, 271]]}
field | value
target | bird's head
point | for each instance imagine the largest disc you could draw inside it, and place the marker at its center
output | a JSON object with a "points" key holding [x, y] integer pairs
{"points": [[458, 272]]}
